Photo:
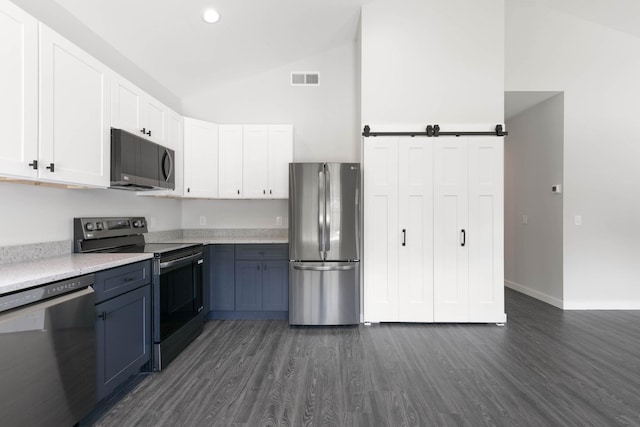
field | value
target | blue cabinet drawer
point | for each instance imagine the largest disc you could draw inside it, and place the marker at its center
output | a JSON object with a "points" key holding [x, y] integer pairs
{"points": [[260, 252], [117, 281]]}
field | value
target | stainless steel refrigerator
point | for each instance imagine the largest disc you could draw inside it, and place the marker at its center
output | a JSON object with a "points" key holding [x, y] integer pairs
{"points": [[324, 243]]}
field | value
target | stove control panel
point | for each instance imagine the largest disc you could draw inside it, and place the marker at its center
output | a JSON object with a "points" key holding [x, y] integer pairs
{"points": [[100, 228]]}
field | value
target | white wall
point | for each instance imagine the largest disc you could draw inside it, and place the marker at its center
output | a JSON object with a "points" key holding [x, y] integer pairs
{"points": [[432, 61], [533, 163], [325, 121], [234, 213], [32, 214], [56, 17], [324, 118], [598, 69]]}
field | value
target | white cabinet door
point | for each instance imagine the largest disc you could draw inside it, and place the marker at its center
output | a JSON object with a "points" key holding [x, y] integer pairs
{"points": [[19, 89], [486, 230], [415, 201], [230, 161], [137, 112], [126, 105], [200, 159], [451, 237], [74, 113], [381, 229], [176, 143], [280, 155], [156, 120], [255, 162]]}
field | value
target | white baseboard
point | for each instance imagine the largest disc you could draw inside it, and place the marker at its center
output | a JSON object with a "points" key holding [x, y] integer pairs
{"points": [[602, 305], [535, 294]]}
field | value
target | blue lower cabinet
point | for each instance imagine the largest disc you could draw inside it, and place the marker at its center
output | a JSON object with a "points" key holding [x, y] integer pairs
{"points": [[248, 285], [275, 285], [222, 277], [123, 336], [249, 281]]}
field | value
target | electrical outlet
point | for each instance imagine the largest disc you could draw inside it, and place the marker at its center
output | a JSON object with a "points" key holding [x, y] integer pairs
{"points": [[525, 219], [152, 222], [203, 220], [278, 220], [578, 220]]}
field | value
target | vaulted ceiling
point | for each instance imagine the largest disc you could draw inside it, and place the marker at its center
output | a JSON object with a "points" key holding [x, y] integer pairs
{"points": [[169, 40]]}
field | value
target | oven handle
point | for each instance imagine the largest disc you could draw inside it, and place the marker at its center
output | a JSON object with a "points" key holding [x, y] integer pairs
{"points": [[185, 260]]}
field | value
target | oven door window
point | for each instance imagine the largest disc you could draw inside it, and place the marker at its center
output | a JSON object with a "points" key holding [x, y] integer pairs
{"points": [[180, 297]]}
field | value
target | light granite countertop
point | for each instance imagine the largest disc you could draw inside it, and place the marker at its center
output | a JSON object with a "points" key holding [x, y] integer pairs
{"points": [[18, 276], [214, 240]]}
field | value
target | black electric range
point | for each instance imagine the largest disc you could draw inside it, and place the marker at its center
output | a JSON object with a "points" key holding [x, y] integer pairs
{"points": [[177, 279]]}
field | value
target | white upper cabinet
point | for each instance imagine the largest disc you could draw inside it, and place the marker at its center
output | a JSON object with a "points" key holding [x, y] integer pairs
{"points": [[280, 155], [200, 159], [255, 161], [230, 161], [175, 141], [74, 109], [19, 89], [135, 111]]}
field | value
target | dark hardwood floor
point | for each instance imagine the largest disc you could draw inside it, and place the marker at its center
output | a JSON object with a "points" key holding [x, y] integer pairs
{"points": [[546, 367]]}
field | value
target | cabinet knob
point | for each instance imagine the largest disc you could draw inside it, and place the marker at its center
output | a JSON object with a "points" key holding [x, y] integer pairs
{"points": [[51, 167], [143, 130], [270, 192], [188, 190], [238, 191], [103, 315], [258, 266], [34, 165], [264, 191]]}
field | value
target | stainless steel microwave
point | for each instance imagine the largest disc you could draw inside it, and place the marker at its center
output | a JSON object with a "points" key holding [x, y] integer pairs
{"points": [[139, 164]]}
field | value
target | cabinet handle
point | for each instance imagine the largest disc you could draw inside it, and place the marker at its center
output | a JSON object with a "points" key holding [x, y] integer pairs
{"points": [[258, 266], [51, 167], [149, 133], [404, 237], [238, 191], [129, 279], [264, 191], [34, 165], [143, 130], [463, 236], [270, 192], [103, 315], [188, 189]]}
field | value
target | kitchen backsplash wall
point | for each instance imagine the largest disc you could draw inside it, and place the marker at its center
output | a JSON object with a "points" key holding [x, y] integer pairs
{"points": [[33, 214], [234, 213]]}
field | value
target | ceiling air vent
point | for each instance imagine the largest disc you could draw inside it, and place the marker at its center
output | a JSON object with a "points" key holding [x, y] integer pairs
{"points": [[299, 78]]}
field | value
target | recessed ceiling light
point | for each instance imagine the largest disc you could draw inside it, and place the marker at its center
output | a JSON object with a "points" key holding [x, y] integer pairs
{"points": [[210, 16]]}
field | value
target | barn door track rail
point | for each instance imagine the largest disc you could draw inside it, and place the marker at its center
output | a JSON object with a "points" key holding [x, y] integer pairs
{"points": [[434, 131]]}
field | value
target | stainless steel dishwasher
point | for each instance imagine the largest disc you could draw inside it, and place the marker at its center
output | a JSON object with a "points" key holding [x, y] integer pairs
{"points": [[47, 354]]}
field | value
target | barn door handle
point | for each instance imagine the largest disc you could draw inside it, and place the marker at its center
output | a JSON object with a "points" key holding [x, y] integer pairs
{"points": [[463, 236]]}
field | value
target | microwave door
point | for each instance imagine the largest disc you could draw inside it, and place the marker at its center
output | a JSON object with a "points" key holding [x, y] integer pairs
{"points": [[148, 172], [167, 170]]}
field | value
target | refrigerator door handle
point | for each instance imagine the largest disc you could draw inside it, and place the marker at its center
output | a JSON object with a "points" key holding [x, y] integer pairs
{"points": [[339, 267], [321, 212], [327, 210]]}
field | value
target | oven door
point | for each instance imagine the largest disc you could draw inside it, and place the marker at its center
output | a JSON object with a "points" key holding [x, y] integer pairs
{"points": [[178, 296]]}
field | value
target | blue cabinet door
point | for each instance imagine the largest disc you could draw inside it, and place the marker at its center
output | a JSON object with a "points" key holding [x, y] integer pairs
{"points": [[221, 278], [248, 285], [275, 285], [123, 338]]}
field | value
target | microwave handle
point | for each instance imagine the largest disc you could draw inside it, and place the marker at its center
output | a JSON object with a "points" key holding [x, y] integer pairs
{"points": [[167, 174]]}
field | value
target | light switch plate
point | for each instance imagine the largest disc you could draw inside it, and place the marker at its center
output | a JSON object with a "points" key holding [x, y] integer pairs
{"points": [[578, 220], [203, 220]]}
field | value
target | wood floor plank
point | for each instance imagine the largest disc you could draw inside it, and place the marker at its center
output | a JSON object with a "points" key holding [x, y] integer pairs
{"points": [[546, 367]]}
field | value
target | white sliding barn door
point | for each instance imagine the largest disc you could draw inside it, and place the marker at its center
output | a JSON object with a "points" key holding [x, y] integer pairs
{"points": [[415, 275], [381, 229], [451, 234]]}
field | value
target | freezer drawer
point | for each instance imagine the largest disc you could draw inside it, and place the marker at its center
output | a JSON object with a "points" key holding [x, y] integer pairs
{"points": [[324, 293]]}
